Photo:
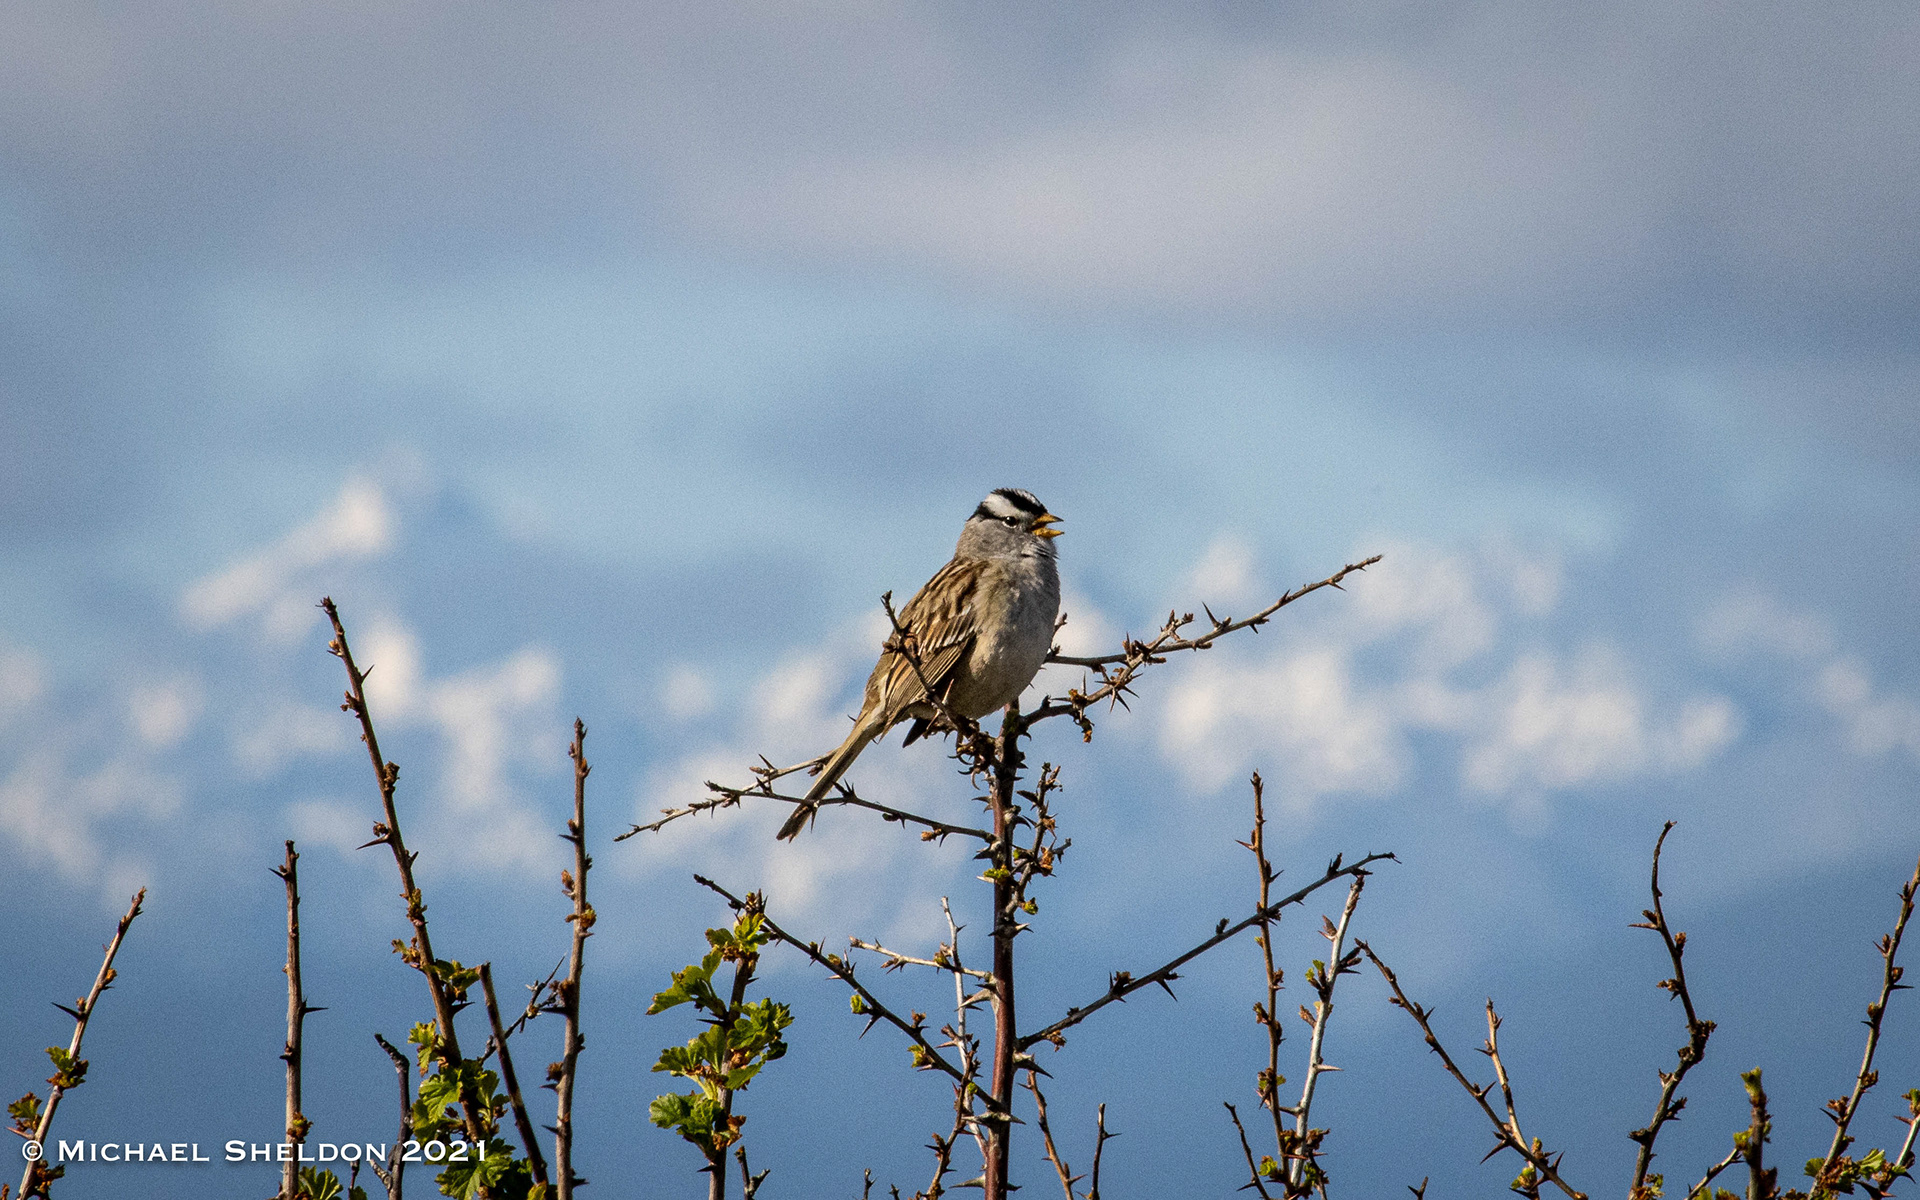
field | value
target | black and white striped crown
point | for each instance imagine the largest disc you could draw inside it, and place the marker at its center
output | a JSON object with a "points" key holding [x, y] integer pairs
{"points": [[1002, 503]]}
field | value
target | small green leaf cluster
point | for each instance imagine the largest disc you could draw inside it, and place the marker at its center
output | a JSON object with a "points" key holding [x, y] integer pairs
{"points": [[313, 1184], [26, 1115], [68, 1071], [741, 1038], [436, 1116]]}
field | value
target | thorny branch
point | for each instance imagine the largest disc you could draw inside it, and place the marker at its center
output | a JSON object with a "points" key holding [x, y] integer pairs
{"points": [[749, 1182], [1836, 1167], [561, 1075], [896, 960], [70, 1070], [392, 1177], [420, 954], [1117, 671], [1698, 1031], [1100, 1136], [925, 1054], [961, 1040], [1060, 1167], [297, 1010], [1124, 984], [1012, 868], [1303, 1171], [1540, 1165], [1752, 1143], [511, 1078], [728, 797], [1713, 1173], [1253, 1167], [1268, 1014]]}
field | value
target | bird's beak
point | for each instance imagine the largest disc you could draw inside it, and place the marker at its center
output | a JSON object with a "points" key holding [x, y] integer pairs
{"points": [[1041, 525]]}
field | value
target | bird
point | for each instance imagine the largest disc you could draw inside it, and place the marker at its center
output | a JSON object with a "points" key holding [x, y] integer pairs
{"points": [[980, 628]]}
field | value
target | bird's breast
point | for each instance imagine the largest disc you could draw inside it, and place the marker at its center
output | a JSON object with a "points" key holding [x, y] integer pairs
{"points": [[1017, 612]]}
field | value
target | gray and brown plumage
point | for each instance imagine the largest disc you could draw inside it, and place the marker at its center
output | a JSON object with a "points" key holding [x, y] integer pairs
{"points": [[981, 628]]}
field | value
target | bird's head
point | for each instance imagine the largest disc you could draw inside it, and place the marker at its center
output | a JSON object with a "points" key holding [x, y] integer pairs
{"points": [[1010, 521]]}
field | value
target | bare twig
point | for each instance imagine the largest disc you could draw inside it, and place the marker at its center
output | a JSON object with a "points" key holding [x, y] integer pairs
{"points": [[71, 1071], [896, 960], [1246, 1148], [297, 1010], [749, 1182], [1713, 1173], [727, 797], [1004, 765], [392, 1177], [960, 1039], [1100, 1136], [1268, 1014], [1698, 1031], [1902, 1163], [1124, 984], [1540, 1165], [1117, 671], [1842, 1111], [1060, 1167], [1303, 1171], [925, 1054], [419, 955], [508, 1076], [582, 919]]}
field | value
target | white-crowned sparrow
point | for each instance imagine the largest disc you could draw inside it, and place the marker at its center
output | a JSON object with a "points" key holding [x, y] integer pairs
{"points": [[981, 628]]}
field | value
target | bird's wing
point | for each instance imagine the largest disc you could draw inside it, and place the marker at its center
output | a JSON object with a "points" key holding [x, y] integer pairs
{"points": [[942, 619]]}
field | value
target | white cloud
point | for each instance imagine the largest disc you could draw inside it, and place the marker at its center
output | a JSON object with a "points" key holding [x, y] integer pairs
{"points": [[1437, 644], [269, 585], [489, 724], [1299, 716], [1874, 723], [62, 815], [1225, 576], [1088, 631], [335, 824], [490, 719], [687, 694], [1550, 726], [278, 732], [82, 791], [1750, 624], [164, 713], [23, 678]]}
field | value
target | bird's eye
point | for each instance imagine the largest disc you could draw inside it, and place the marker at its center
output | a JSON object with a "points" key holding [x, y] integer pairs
{"points": [[1011, 520]]}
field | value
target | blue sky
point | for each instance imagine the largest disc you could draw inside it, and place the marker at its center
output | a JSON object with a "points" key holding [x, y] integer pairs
{"points": [[611, 360]]}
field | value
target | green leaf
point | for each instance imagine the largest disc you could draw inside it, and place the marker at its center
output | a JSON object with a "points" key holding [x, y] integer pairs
{"points": [[695, 1116], [320, 1185], [25, 1111], [68, 1071], [670, 1110], [738, 1079], [506, 1177], [425, 1035]]}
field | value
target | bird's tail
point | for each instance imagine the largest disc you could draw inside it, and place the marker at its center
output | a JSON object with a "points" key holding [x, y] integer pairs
{"points": [[836, 766]]}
